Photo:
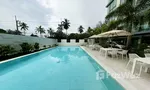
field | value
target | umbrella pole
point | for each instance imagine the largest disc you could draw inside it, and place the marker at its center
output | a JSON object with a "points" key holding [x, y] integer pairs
{"points": [[128, 41]]}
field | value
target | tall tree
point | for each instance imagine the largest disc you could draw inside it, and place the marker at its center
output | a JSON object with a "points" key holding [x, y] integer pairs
{"points": [[23, 26], [59, 33], [66, 24], [104, 27], [90, 31], [50, 32], [40, 30], [80, 29], [60, 27]]}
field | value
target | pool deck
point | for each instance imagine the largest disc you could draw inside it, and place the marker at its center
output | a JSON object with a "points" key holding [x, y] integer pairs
{"points": [[117, 67]]}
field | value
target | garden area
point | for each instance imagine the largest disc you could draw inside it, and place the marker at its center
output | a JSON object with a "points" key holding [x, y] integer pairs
{"points": [[7, 52]]}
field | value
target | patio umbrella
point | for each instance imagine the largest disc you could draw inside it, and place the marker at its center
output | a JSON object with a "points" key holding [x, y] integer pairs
{"points": [[94, 36], [114, 33]]}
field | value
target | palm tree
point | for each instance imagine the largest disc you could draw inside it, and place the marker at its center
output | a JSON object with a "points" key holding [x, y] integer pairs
{"points": [[66, 24], [59, 33], [80, 29], [50, 31], [129, 14], [60, 27], [89, 30], [40, 30], [23, 26]]}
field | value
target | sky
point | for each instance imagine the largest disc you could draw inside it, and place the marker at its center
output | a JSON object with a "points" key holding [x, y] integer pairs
{"points": [[49, 13]]}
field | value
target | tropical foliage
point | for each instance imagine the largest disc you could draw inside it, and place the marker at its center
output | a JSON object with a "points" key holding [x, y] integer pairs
{"points": [[6, 50], [40, 30], [44, 46], [33, 35], [23, 26], [66, 24], [36, 46], [60, 27], [50, 32], [80, 29], [100, 27], [130, 14], [26, 47], [2, 31]]}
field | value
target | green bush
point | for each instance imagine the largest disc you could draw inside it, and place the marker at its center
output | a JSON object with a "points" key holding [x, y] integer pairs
{"points": [[140, 50], [6, 50], [44, 46], [2, 31], [36, 46], [49, 46], [55, 45], [26, 47]]}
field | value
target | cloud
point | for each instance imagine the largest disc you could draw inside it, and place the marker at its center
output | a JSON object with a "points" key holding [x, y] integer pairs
{"points": [[49, 13], [29, 11]]}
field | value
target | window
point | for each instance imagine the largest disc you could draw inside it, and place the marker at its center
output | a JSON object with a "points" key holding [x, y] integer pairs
{"points": [[77, 40], [122, 1], [59, 40], [112, 6]]}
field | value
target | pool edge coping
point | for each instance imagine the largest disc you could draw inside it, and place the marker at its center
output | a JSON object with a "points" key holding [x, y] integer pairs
{"points": [[122, 82]]}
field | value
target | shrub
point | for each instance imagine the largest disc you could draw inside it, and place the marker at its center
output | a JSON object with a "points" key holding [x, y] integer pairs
{"points": [[44, 46], [140, 50], [6, 50], [36, 46], [2, 31], [54, 45], [26, 47], [49, 46]]}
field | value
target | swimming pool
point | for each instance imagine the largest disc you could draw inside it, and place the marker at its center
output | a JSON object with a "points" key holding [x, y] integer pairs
{"points": [[60, 68]]}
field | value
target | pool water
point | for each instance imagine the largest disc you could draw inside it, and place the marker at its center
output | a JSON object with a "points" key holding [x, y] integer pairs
{"points": [[60, 68]]}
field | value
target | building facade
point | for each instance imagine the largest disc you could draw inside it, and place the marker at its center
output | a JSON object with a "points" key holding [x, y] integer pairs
{"points": [[113, 4], [141, 36]]}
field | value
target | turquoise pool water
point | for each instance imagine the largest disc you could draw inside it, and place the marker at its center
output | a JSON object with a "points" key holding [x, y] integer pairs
{"points": [[61, 68]]}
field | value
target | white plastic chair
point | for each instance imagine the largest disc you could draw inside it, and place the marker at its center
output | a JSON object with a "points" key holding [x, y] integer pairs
{"points": [[146, 66], [113, 53], [131, 58], [97, 47], [122, 53]]}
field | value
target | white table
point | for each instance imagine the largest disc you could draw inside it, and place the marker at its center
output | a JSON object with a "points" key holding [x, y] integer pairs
{"points": [[108, 49], [142, 60]]}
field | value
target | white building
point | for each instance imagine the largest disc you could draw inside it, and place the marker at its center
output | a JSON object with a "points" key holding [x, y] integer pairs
{"points": [[113, 4]]}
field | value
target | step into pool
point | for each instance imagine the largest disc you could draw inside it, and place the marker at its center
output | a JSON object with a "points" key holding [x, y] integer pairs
{"points": [[60, 68]]}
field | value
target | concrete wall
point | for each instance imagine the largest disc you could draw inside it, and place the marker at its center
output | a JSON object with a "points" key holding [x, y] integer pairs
{"points": [[15, 40], [71, 43]]}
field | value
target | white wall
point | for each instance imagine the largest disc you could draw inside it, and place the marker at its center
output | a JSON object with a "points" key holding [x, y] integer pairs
{"points": [[15, 40], [71, 43]]}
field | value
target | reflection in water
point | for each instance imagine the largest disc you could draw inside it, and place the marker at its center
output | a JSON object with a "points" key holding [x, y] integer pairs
{"points": [[65, 59], [94, 64], [55, 59], [66, 54], [69, 50]]}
